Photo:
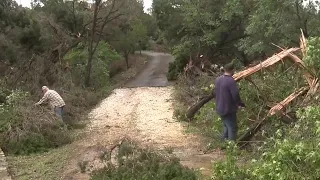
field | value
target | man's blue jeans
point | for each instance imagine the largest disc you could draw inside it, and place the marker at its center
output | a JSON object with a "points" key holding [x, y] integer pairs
{"points": [[230, 126], [59, 111]]}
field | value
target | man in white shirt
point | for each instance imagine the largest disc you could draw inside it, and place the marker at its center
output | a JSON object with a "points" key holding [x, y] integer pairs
{"points": [[54, 99]]}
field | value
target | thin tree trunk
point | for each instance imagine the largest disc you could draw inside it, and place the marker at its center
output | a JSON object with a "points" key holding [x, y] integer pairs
{"points": [[127, 59], [88, 69], [91, 49]]}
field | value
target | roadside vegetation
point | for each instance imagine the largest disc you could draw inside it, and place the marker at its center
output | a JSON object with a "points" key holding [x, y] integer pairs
{"points": [[208, 34], [84, 51], [56, 43], [51, 44], [131, 162]]}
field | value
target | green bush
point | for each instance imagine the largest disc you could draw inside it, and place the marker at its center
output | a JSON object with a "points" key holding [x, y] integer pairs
{"points": [[25, 129], [228, 168], [135, 163], [181, 55], [294, 157], [313, 52], [102, 59]]}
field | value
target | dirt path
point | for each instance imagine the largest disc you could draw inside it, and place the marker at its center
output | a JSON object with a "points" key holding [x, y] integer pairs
{"points": [[155, 72], [143, 114]]}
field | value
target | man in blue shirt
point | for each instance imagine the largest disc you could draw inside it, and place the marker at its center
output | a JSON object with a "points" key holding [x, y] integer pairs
{"points": [[227, 102]]}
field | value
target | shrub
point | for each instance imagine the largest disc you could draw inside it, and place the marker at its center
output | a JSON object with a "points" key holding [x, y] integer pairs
{"points": [[103, 57], [25, 129], [313, 52], [181, 54], [294, 157], [135, 163]]}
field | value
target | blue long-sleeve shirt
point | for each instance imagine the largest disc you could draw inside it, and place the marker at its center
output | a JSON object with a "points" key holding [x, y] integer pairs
{"points": [[227, 95]]}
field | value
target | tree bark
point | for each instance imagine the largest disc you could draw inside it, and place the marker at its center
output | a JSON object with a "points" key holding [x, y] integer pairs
{"points": [[91, 49], [194, 109], [88, 69], [127, 59]]}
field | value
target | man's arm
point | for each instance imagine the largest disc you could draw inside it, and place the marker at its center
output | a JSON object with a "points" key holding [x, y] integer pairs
{"points": [[235, 94], [43, 99]]}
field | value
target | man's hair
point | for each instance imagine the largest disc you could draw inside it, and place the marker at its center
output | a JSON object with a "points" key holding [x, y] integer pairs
{"points": [[44, 88], [228, 67]]}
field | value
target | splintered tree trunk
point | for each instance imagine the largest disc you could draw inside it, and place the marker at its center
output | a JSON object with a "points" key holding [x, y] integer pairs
{"points": [[243, 74]]}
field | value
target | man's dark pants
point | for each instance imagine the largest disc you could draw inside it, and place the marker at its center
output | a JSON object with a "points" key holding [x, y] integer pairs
{"points": [[230, 126]]}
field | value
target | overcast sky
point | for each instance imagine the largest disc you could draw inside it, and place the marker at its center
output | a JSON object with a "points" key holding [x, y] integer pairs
{"points": [[147, 3]]}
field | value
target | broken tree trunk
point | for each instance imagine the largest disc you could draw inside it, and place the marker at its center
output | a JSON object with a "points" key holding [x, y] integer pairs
{"points": [[194, 109], [277, 108], [243, 140], [284, 103], [243, 74]]}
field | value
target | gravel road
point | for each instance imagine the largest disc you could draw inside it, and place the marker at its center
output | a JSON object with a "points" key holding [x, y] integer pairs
{"points": [[143, 112]]}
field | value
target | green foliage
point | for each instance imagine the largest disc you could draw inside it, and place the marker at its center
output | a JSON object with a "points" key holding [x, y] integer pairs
{"points": [[72, 15], [131, 37], [228, 168], [35, 44], [180, 53], [212, 28], [21, 133], [281, 22], [313, 53], [242, 29], [135, 163], [294, 157], [30, 37], [103, 57]]}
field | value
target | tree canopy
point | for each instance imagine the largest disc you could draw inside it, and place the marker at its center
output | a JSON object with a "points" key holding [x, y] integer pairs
{"points": [[237, 29]]}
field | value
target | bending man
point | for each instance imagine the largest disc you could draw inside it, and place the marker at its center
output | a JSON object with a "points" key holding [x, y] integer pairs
{"points": [[54, 99], [227, 102]]}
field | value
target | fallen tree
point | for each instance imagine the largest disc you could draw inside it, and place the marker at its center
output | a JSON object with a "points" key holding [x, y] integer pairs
{"points": [[279, 108], [241, 75], [275, 109]]}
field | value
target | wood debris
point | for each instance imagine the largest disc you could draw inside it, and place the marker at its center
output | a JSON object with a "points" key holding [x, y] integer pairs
{"points": [[284, 103], [246, 73], [309, 75], [268, 62]]}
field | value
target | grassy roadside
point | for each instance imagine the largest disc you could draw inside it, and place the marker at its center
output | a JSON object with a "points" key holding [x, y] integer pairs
{"points": [[39, 166], [49, 165]]}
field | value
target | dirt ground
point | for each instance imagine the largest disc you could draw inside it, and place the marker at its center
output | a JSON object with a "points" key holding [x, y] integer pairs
{"points": [[142, 112]]}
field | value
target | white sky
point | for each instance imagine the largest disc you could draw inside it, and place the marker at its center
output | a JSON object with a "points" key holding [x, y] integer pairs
{"points": [[147, 3]]}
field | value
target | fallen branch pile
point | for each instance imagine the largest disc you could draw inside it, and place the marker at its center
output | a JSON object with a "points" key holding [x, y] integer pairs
{"points": [[310, 88]]}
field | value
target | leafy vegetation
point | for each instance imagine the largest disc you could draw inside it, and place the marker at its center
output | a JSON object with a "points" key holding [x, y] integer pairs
{"points": [[73, 47], [56, 43], [284, 148], [136, 163], [291, 157], [104, 57], [238, 29], [312, 58]]}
